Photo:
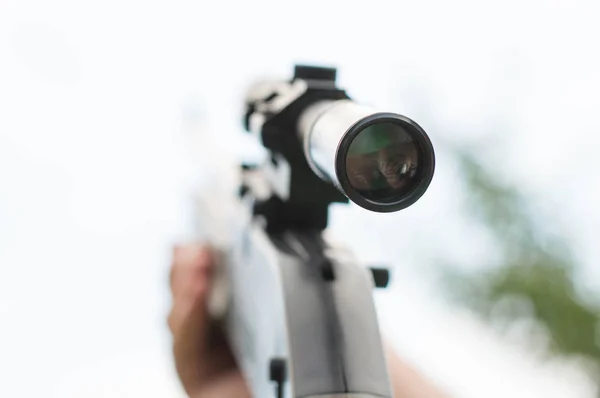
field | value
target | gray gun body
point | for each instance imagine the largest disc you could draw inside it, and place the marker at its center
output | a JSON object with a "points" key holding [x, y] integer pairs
{"points": [[295, 300], [280, 306]]}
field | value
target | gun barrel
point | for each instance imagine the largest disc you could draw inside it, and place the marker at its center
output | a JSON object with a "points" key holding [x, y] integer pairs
{"points": [[383, 162]]}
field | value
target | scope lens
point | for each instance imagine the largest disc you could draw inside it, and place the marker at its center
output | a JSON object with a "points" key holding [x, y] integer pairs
{"points": [[382, 162]]}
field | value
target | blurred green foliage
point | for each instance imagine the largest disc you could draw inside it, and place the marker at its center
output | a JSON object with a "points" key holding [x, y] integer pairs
{"points": [[535, 267]]}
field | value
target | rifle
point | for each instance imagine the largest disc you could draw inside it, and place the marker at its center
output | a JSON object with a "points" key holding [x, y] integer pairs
{"points": [[297, 307]]}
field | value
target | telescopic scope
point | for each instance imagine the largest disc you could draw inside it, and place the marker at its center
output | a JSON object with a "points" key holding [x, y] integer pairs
{"points": [[381, 161]]}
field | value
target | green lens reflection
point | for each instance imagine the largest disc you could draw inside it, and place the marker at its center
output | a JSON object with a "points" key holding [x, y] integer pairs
{"points": [[382, 162]]}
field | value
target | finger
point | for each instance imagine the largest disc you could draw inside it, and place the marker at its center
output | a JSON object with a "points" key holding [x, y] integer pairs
{"points": [[189, 318], [186, 265], [231, 384], [407, 381]]}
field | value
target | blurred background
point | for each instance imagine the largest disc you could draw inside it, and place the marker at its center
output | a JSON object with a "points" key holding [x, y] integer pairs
{"points": [[112, 113]]}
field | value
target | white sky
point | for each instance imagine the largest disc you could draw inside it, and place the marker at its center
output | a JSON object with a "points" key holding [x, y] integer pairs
{"points": [[93, 178]]}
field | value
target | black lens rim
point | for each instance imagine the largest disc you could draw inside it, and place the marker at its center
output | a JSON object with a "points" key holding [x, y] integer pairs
{"points": [[426, 157]]}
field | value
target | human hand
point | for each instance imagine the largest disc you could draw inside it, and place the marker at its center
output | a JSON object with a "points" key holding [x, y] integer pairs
{"points": [[203, 359]]}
